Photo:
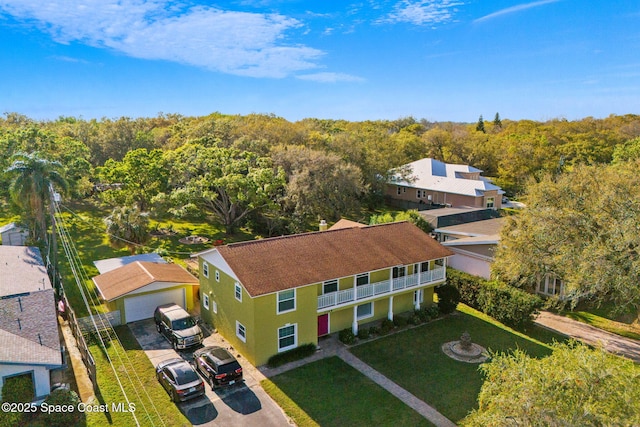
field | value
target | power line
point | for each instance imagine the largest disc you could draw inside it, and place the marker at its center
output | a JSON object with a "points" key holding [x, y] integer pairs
{"points": [[81, 277]]}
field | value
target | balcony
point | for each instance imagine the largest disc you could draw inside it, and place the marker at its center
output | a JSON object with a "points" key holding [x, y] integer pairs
{"points": [[350, 295]]}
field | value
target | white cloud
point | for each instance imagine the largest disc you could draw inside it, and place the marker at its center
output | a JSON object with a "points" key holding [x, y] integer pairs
{"points": [[514, 9], [241, 43], [424, 12], [327, 77]]}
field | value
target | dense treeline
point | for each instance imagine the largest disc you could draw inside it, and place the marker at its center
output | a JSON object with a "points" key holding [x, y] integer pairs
{"points": [[279, 175]]}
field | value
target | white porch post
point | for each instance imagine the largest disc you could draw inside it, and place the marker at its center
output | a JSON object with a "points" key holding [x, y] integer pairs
{"points": [[390, 314], [354, 325], [417, 299]]}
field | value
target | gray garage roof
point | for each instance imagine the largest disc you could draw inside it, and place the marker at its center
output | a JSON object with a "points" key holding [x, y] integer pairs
{"points": [[22, 270], [106, 265]]}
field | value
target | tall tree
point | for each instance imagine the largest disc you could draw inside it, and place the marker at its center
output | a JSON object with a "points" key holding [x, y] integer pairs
{"points": [[225, 182], [480, 125], [575, 386], [497, 123], [319, 185], [583, 227], [140, 176], [32, 180]]}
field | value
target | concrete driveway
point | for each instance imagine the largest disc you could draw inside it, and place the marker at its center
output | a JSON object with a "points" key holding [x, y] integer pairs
{"points": [[240, 405]]}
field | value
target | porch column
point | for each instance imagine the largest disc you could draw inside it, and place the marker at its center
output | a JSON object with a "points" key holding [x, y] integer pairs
{"points": [[354, 325], [390, 314], [417, 293]]}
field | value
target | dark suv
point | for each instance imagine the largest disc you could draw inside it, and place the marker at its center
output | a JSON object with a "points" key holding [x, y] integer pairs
{"points": [[177, 326], [217, 366]]}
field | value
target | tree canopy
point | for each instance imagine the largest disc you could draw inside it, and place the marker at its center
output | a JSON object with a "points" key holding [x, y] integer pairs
{"points": [[581, 226], [574, 386]]}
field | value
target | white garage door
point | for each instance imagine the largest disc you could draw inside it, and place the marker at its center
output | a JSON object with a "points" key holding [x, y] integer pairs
{"points": [[142, 307]]}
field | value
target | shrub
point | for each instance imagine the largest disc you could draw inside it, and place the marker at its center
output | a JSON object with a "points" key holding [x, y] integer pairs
{"points": [[468, 285], [64, 419], [346, 336], [18, 389], [291, 355], [448, 298], [431, 312], [415, 318], [509, 305], [386, 326], [363, 333], [399, 321], [373, 330]]}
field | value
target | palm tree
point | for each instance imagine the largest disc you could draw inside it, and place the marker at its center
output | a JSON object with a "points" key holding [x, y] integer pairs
{"points": [[127, 226], [33, 178]]}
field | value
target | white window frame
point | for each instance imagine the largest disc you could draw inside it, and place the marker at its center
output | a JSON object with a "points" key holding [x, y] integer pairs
{"points": [[362, 275], [491, 202], [278, 301], [295, 337], [237, 291], [205, 301], [241, 332], [399, 190], [215, 307], [366, 316], [330, 282], [420, 193], [205, 269], [217, 276]]}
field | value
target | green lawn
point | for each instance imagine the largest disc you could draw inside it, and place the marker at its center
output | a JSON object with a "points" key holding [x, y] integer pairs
{"points": [[605, 317], [415, 361], [333, 393], [152, 403]]}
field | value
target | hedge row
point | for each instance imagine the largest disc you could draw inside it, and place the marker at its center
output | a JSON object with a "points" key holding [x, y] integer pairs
{"points": [[509, 305]]}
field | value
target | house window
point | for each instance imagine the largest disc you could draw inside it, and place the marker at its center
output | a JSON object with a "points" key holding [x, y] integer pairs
{"points": [[205, 301], [490, 202], [399, 272], [424, 266], [365, 310], [330, 286], [421, 193], [215, 307], [205, 269], [362, 279], [238, 291], [286, 301], [287, 337], [439, 262], [241, 332], [399, 190], [217, 276]]}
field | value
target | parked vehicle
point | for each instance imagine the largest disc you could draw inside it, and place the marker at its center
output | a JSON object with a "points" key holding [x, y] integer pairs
{"points": [[177, 326], [179, 379], [217, 366]]}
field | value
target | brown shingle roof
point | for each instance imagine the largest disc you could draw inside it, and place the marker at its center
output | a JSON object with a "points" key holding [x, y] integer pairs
{"points": [[123, 280], [270, 265]]}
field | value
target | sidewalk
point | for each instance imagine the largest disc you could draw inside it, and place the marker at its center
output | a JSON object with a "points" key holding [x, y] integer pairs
{"points": [[330, 346], [613, 343]]}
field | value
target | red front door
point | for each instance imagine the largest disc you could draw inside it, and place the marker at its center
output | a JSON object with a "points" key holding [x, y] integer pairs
{"points": [[323, 324]]}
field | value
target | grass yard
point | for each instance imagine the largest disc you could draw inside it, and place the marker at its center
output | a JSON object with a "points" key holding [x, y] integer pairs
{"points": [[152, 403], [624, 324], [415, 361], [333, 393]]}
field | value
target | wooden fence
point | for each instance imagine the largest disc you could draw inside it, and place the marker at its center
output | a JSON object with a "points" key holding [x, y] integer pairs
{"points": [[87, 357]]}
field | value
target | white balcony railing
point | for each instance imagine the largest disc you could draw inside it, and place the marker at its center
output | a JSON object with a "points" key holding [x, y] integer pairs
{"points": [[386, 286]]}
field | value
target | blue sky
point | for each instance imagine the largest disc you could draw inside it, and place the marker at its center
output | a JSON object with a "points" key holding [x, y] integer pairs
{"points": [[370, 59]]}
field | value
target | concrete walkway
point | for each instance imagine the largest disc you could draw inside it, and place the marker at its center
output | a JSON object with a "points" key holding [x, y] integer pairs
{"points": [[330, 346], [613, 343], [78, 370]]}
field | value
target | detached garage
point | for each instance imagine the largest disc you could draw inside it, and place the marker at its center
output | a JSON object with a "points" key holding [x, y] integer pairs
{"points": [[137, 288]]}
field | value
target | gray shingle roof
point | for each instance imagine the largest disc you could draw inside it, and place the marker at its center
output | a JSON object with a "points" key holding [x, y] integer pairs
{"points": [[22, 270], [29, 329]]}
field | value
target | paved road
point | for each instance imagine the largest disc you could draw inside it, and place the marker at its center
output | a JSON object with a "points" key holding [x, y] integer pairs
{"points": [[242, 405], [613, 343]]}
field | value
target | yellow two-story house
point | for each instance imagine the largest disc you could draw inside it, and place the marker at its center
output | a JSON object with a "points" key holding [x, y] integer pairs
{"points": [[272, 295]]}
